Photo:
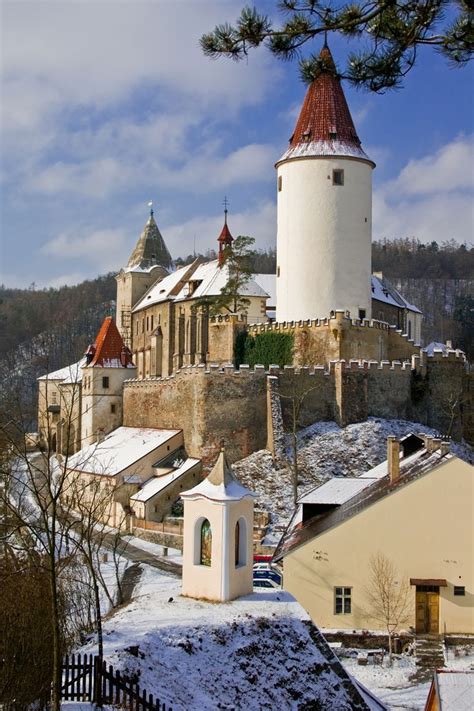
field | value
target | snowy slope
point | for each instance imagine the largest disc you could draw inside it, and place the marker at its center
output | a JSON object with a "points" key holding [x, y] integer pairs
{"points": [[257, 652], [325, 450]]}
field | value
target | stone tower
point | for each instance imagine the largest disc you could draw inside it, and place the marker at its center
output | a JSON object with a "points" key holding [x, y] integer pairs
{"points": [[149, 262], [324, 209], [218, 536], [108, 364]]}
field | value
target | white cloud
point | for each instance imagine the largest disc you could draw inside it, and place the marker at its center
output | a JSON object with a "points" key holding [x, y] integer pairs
{"points": [[448, 170], [258, 222], [95, 179], [430, 199], [106, 249]]}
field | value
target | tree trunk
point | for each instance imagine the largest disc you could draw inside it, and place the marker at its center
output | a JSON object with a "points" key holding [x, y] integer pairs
{"points": [[295, 457], [57, 651]]}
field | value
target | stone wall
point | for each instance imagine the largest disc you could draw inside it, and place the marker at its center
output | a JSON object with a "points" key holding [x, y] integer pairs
{"points": [[217, 404], [342, 338]]}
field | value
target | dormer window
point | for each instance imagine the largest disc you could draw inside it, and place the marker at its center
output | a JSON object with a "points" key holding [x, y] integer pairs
{"points": [[307, 135], [332, 133]]}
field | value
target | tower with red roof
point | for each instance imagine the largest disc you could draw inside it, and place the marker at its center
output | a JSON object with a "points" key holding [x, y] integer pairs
{"points": [[324, 209], [108, 363]]}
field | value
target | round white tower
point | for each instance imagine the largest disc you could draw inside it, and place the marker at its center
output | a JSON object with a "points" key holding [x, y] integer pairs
{"points": [[324, 210]]}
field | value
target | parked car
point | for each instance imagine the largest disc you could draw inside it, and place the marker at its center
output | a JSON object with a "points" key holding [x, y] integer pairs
{"points": [[265, 583], [265, 571]]}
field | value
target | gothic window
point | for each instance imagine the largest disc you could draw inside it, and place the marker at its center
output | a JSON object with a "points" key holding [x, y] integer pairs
{"points": [[240, 543], [206, 543]]}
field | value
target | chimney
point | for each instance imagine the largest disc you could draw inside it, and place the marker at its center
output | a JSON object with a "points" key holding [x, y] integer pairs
{"points": [[449, 344], [393, 458]]}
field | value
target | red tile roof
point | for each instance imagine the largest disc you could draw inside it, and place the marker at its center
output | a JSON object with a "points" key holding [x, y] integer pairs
{"points": [[325, 114], [225, 235], [108, 349]]}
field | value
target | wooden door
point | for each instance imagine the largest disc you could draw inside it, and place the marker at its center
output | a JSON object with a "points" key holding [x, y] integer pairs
{"points": [[433, 612], [427, 612]]}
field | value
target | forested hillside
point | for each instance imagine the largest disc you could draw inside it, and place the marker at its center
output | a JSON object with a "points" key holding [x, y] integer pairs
{"points": [[45, 329]]}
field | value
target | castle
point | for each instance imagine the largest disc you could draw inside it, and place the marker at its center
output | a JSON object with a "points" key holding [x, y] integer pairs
{"points": [[169, 364]]}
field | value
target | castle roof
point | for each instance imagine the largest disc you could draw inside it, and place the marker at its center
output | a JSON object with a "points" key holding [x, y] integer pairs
{"points": [[383, 290], [220, 485], [150, 249], [208, 279], [108, 349], [325, 126], [68, 374]]}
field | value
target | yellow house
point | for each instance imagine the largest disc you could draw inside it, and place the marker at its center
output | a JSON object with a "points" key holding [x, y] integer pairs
{"points": [[414, 511]]}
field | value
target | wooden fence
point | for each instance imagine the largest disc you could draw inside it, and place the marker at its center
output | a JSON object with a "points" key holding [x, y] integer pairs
{"points": [[86, 678]]}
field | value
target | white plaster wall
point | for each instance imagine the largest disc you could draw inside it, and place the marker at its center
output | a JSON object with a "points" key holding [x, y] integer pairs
{"points": [[222, 580], [324, 238], [96, 400]]}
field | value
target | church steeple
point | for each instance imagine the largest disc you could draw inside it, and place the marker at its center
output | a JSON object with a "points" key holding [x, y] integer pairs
{"points": [[225, 238], [150, 249]]}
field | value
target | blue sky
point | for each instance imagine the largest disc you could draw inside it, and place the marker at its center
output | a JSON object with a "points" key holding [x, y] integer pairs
{"points": [[107, 104]]}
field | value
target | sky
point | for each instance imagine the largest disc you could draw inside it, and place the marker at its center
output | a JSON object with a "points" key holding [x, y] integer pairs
{"points": [[108, 104]]}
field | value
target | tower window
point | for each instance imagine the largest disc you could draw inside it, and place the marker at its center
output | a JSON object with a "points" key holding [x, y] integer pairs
{"points": [[362, 314], [278, 271], [338, 177], [112, 409], [105, 382], [280, 182]]}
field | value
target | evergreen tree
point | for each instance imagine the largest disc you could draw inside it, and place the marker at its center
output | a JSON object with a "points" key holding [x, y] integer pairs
{"points": [[392, 31]]}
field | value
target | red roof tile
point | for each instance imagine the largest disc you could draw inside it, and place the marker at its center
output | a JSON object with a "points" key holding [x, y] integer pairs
{"points": [[108, 349], [325, 114]]}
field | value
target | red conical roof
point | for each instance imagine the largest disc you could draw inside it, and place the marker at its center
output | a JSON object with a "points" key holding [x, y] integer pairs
{"points": [[225, 236], [108, 349], [325, 125]]}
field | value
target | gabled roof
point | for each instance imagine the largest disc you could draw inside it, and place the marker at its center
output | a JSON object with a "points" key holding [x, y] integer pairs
{"points": [[211, 279], [220, 485], [383, 290], [120, 449], [454, 689], [156, 484], [351, 501], [68, 374], [325, 125], [108, 349], [150, 249]]}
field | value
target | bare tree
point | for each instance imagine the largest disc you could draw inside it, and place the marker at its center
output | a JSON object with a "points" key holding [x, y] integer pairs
{"points": [[298, 391], [388, 594]]}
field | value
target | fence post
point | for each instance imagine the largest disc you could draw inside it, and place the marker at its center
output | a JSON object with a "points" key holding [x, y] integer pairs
{"points": [[97, 695]]}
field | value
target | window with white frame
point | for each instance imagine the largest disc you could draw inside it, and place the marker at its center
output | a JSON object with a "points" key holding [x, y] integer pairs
{"points": [[342, 601]]}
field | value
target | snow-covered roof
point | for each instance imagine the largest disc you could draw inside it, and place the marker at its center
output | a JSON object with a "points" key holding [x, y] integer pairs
{"points": [[268, 284], [157, 483], [375, 485], [336, 491], [220, 485], [383, 290], [212, 279], [119, 449], [328, 147], [68, 374], [455, 690]]}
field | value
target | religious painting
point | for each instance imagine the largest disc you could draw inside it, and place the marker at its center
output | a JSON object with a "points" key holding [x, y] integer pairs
{"points": [[206, 543]]}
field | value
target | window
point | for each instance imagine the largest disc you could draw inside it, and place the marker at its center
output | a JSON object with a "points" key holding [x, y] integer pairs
{"points": [[459, 590], [237, 543], [278, 271], [338, 177], [409, 329], [54, 398], [362, 314], [105, 382], [112, 409], [280, 183], [152, 319], [206, 543], [342, 601]]}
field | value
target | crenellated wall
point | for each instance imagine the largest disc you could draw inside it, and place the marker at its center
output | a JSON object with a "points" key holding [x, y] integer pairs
{"points": [[221, 403], [341, 338]]}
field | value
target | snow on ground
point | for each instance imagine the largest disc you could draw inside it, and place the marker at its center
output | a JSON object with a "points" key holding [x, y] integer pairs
{"points": [[392, 685], [325, 450], [252, 653], [174, 554]]}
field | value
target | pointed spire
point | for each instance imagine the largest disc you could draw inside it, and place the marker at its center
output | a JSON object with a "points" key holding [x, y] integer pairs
{"points": [[108, 349], [225, 238], [221, 472], [150, 249], [324, 126]]}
